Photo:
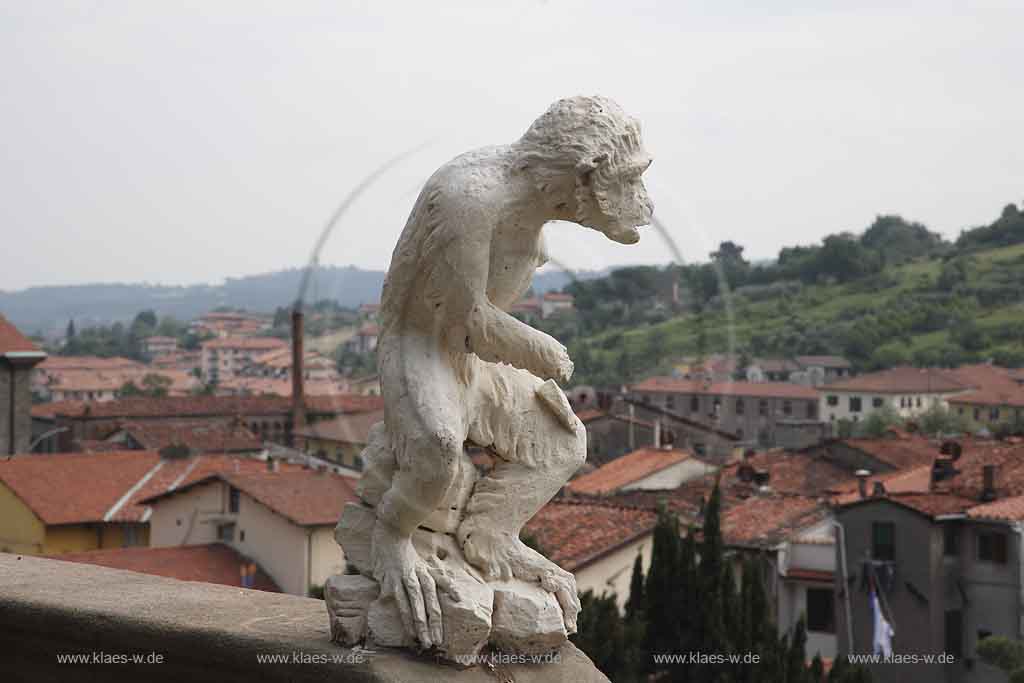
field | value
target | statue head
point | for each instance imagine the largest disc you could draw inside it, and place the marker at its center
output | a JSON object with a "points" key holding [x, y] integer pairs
{"points": [[596, 142]]}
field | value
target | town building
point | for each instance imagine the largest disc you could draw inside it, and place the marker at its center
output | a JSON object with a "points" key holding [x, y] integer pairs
{"points": [[610, 435], [556, 303], [812, 371], [185, 437], [229, 324], [159, 346], [365, 338], [268, 417], [645, 469], [18, 356], [597, 540], [942, 545], [224, 357], [283, 520], [906, 390], [71, 502], [340, 440], [757, 413]]}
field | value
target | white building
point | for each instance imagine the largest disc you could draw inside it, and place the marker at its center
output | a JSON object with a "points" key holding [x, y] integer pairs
{"points": [[907, 390], [283, 520], [225, 357]]}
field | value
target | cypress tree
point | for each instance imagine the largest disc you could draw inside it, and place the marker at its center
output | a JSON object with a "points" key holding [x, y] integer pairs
{"points": [[636, 602], [796, 657], [661, 588]]}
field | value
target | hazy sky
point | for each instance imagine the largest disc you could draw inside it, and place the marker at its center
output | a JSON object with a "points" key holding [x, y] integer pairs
{"points": [[181, 142]]}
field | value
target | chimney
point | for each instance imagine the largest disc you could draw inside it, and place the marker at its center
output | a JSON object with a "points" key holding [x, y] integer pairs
{"points": [[657, 433], [273, 465], [298, 370], [942, 468], [862, 482], [632, 418], [878, 490], [988, 491]]}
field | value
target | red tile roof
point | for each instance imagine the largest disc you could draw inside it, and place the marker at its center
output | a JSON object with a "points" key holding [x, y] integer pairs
{"points": [[1007, 509], [199, 436], [914, 480], [248, 343], [556, 296], [212, 563], [898, 453], [592, 415], [1012, 396], [351, 429], [754, 389], [13, 341], [197, 406], [306, 497], [797, 574], [576, 533], [54, 363], [823, 361], [627, 469], [78, 488], [767, 520], [902, 380]]}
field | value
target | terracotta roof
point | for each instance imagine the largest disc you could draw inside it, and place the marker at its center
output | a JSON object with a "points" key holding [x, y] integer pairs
{"points": [[212, 563], [1007, 509], [353, 429], [199, 435], [902, 380], [195, 406], [576, 533], [76, 488], [306, 497], [555, 296], [767, 520], [249, 343], [88, 363], [754, 389], [627, 469], [917, 479], [776, 364], [824, 361], [592, 415], [897, 453], [931, 504], [158, 339], [279, 386], [13, 341], [797, 574], [1013, 396]]}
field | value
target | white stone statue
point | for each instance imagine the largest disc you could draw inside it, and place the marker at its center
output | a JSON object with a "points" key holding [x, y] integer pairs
{"points": [[436, 545]]}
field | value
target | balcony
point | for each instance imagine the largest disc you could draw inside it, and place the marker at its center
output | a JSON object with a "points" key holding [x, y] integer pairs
{"points": [[201, 632]]}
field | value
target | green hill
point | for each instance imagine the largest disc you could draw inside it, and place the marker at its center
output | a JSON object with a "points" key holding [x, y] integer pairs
{"points": [[892, 295]]}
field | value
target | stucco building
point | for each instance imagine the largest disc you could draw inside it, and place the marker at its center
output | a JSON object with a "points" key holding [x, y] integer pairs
{"points": [[18, 356]]}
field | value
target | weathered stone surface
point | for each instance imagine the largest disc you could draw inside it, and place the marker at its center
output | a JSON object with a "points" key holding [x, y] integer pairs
{"points": [[448, 514], [348, 598], [378, 466], [205, 633], [527, 619], [353, 533], [384, 625]]}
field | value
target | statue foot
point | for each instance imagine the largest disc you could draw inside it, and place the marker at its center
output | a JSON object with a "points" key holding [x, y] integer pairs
{"points": [[500, 556]]}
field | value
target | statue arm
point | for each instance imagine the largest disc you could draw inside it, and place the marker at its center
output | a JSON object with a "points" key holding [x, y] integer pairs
{"points": [[475, 325]]}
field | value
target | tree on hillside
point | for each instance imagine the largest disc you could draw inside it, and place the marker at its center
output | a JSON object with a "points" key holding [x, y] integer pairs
{"points": [[898, 240], [70, 333]]}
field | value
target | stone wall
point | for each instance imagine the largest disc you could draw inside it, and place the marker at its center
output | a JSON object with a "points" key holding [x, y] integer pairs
{"points": [[202, 632]]}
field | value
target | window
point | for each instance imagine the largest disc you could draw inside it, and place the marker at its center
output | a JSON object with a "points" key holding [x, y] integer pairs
{"points": [[694, 404], [951, 540], [226, 533], [787, 407], [740, 408], [812, 410], [670, 402], [992, 547], [977, 413], [234, 498], [241, 536], [821, 615], [131, 536], [883, 541], [762, 407], [877, 402], [954, 633], [716, 406], [918, 402], [855, 404], [832, 400], [993, 414], [903, 402]]}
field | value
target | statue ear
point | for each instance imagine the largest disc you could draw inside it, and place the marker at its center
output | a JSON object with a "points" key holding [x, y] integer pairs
{"points": [[586, 167]]}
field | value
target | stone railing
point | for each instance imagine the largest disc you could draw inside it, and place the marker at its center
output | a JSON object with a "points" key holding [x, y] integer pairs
{"points": [[61, 621]]}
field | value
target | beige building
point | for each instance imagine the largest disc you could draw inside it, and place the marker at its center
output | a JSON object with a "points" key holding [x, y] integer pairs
{"points": [[18, 355], [159, 346], [283, 520], [907, 390], [225, 357]]}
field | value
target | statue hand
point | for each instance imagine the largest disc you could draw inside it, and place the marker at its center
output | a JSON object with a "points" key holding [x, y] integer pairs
{"points": [[404, 576], [554, 362]]}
